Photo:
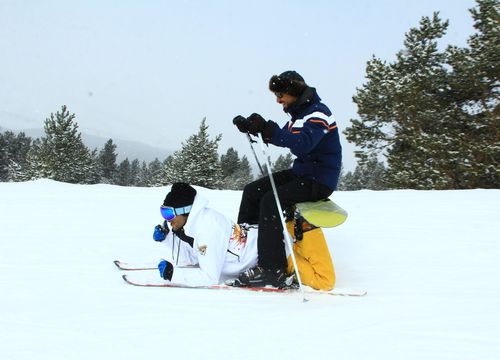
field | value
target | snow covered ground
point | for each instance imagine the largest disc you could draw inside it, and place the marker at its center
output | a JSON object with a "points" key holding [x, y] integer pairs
{"points": [[430, 261]]}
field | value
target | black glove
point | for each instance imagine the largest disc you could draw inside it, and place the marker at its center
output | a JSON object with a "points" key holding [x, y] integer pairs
{"points": [[268, 132], [241, 123], [254, 125], [257, 124]]}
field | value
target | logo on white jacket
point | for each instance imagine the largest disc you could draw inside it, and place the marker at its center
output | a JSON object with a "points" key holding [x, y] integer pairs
{"points": [[202, 249]]}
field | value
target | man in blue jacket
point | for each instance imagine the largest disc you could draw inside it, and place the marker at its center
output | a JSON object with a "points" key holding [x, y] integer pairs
{"points": [[312, 136]]}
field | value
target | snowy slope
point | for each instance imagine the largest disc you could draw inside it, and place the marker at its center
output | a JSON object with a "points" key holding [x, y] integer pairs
{"points": [[429, 260]]}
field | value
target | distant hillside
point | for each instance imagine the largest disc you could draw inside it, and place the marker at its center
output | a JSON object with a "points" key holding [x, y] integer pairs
{"points": [[125, 148]]}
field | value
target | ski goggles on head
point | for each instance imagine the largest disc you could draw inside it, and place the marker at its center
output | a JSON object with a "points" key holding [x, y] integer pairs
{"points": [[169, 213]]}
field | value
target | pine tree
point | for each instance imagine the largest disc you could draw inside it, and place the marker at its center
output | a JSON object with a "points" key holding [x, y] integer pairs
{"points": [[229, 162], [143, 175], [348, 182], [13, 154], [155, 171], [475, 89], [197, 163], [243, 175], [33, 164], [369, 174], [416, 111], [135, 170], [283, 162], [400, 107], [94, 170], [237, 172], [123, 174], [107, 162], [4, 159], [62, 156]]}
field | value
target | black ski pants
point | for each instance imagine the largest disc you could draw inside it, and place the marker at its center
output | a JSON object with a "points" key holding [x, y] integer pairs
{"points": [[258, 206]]}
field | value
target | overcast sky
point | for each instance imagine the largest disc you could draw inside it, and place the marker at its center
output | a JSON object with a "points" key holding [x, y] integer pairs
{"points": [[150, 70]]}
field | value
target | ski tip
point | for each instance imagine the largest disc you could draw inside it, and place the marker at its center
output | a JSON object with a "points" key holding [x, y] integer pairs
{"points": [[117, 263], [124, 277]]}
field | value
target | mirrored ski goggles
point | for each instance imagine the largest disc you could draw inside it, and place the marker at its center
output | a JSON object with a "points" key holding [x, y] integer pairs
{"points": [[169, 213]]}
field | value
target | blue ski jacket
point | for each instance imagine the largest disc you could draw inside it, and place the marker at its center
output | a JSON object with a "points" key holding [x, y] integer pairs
{"points": [[313, 137]]}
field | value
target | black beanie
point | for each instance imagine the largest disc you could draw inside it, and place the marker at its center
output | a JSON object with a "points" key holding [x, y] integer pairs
{"points": [[290, 82], [180, 195]]}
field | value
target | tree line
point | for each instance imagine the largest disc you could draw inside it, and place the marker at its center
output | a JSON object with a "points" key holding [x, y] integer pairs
{"points": [[61, 155]]}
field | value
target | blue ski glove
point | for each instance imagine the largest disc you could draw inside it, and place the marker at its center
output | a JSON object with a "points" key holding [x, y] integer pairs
{"points": [[161, 232], [166, 270]]}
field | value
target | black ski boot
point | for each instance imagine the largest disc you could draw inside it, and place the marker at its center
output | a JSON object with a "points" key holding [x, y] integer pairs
{"points": [[260, 277]]}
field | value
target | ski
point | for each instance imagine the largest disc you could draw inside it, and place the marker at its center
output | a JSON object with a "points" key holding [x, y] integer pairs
{"points": [[147, 266], [165, 284]]}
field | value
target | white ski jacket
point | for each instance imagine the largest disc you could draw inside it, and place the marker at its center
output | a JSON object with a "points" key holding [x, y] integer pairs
{"points": [[220, 247]]}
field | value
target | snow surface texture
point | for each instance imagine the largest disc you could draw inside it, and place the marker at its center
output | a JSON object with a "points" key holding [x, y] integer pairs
{"points": [[430, 261]]}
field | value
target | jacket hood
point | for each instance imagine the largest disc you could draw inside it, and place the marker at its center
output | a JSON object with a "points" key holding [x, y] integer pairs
{"points": [[200, 202]]}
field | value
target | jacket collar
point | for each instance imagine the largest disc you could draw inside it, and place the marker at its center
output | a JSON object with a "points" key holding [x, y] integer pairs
{"points": [[308, 97]]}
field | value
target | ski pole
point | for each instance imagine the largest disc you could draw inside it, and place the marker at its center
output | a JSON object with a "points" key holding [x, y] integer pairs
{"points": [[280, 210], [254, 154]]}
